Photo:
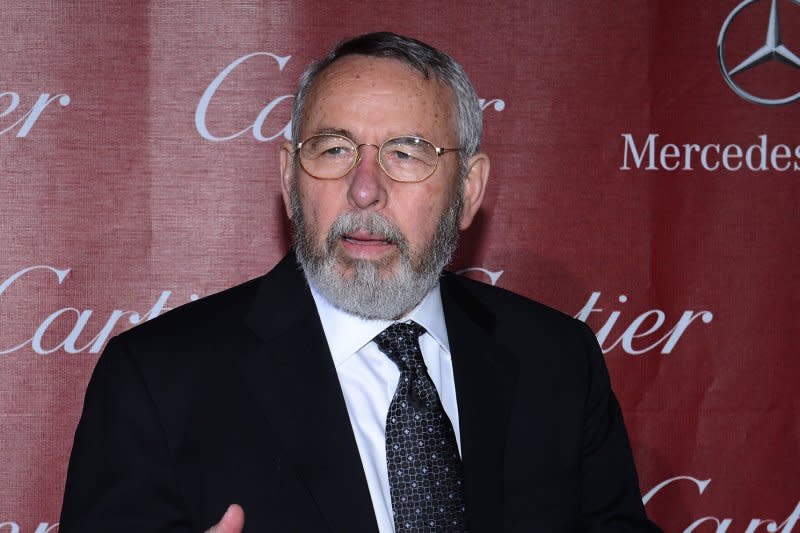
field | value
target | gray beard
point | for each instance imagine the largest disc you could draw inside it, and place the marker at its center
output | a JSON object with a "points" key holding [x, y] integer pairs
{"points": [[364, 292]]}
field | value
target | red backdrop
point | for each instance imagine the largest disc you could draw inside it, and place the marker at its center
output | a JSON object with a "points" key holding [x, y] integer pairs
{"points": [[631, 186]]}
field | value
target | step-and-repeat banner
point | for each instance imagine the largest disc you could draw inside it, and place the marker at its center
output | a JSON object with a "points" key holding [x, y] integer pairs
{"points": [[645, 165]]}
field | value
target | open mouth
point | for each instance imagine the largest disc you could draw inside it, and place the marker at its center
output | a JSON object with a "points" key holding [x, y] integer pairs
{"points": [[366, 239]]}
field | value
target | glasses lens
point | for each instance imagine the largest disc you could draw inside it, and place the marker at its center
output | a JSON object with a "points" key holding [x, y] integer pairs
{"points": [[408, 158], [327, 156]]}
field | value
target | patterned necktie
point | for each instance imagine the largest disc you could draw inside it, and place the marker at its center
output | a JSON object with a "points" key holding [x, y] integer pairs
{"points": [[425, 474]]}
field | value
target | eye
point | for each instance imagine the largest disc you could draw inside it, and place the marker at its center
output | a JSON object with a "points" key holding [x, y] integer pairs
{"points": [[400, 155], [409, 150], [335, 151], [328, 147]]}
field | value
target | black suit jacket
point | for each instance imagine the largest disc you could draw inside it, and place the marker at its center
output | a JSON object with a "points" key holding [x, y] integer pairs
{"points": [[235, 399]]}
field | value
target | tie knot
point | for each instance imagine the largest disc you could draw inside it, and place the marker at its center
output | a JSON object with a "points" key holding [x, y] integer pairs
{"points": [[399, 342]]}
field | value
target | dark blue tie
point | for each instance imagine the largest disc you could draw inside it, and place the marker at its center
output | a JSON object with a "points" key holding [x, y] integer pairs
{"points": [[425, 473]]}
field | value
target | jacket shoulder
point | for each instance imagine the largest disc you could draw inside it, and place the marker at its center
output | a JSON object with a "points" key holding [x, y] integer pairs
{"points": [[534, 332], [198, 318], [504, 304]]}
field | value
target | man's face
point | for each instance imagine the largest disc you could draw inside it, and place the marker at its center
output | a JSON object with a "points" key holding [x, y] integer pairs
{"points": [[379, 242]]}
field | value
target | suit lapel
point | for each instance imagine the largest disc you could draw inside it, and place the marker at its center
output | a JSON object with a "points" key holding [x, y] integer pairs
{"points": [[485, 376], [292, 376]]}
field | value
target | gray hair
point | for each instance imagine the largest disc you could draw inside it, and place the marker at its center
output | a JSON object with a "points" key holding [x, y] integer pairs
{"points": [[423, 58]]}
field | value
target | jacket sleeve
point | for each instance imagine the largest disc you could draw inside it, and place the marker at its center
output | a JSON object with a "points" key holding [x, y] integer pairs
{"points": [[120, 476], [610, 497]]}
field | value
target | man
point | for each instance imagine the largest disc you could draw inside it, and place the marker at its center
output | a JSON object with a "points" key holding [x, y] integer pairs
{"points": [[365, 391]]}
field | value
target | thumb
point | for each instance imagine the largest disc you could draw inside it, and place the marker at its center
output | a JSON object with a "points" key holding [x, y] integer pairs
{"points": [[231, 522]]}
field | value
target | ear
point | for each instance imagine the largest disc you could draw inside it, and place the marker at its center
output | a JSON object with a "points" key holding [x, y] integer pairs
{"points": [[474, 188], [287, 175]]}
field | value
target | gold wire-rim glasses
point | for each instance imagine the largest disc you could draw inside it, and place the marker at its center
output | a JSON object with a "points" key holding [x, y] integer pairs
{"points": [[356, 149]]}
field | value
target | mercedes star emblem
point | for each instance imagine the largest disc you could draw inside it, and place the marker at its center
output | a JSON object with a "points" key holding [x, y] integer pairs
{"points": [[773, 49]]}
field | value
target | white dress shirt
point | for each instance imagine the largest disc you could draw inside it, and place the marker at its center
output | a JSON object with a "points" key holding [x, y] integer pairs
{"points": [[369, 378]]}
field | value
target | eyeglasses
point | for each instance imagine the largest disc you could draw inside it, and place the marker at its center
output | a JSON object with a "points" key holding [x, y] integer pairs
{"points": [[329, 156]]}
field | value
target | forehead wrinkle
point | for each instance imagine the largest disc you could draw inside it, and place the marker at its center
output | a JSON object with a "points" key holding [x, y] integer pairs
{"points": [[365, 79]]}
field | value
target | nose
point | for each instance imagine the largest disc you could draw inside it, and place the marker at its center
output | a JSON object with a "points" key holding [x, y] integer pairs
{"points": [[367, 187]]}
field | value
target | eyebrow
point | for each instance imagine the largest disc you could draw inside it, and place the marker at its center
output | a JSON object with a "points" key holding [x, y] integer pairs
{"points": [[347, 133], [335, 131]]}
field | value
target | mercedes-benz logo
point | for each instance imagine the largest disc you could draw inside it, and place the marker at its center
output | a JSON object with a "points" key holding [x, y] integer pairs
{"points": [[773, 49]]}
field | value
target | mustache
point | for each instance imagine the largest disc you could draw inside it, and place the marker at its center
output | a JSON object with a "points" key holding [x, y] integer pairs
{"points": [[370, 222]]}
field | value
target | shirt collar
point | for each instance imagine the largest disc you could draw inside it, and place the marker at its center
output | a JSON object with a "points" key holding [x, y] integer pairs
{"points": [[347, 334]]}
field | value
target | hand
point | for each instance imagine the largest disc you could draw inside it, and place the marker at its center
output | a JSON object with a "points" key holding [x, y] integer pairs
{"points": [[231, 522]]}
